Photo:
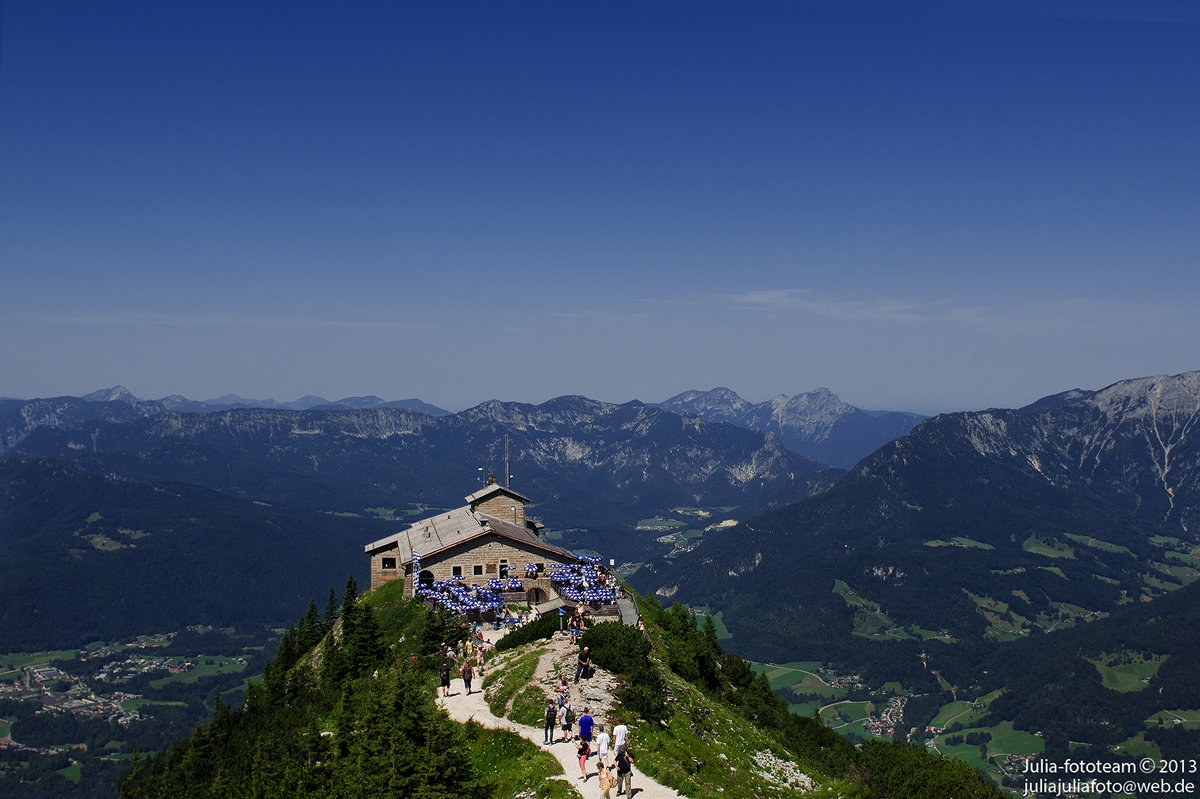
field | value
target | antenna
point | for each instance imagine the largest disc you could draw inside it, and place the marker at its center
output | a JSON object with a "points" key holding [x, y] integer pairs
{"points": [[507, 473]]}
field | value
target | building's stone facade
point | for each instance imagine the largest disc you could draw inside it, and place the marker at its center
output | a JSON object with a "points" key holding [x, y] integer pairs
{"points": [[476, 560], [503, 507]]}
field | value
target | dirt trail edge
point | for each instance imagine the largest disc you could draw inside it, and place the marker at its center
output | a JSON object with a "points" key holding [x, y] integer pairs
{"points": [[462, 707]]}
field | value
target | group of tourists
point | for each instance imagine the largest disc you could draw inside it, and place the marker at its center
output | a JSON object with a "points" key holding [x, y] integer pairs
{"points": [[458, 661], [592, 739]]}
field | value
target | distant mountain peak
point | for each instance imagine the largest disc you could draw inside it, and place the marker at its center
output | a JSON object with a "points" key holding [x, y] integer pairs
{"points": [[114, 394], [816, 423]]}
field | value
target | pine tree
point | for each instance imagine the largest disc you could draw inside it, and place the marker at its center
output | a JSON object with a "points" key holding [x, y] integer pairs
{"points": [[331, 610], [311, 628]]}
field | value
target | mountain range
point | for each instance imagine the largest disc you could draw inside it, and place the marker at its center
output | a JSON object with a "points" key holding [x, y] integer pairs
{"points": [[595, 469], [181, 404], [996, 524], [817, 423]]}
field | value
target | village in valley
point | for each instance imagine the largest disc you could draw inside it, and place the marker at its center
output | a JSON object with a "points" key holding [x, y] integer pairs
{"points": [[120, 695]]}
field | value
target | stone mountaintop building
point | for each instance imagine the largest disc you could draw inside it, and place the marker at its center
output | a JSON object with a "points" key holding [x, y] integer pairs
{"points": [[489, 537]]}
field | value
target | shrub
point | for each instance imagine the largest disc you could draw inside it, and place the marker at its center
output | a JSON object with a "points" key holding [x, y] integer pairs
{"points": [[544, 627]]}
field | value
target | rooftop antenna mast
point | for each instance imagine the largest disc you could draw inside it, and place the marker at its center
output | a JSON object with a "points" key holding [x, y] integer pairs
{"points": [[507, 473]]}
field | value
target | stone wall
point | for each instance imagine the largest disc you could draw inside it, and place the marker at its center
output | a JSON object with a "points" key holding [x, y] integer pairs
{"points": [[484, 553], [503, 507]]}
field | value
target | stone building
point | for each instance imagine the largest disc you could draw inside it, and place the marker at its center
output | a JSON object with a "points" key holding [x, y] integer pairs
{"points": [[489, 537]]}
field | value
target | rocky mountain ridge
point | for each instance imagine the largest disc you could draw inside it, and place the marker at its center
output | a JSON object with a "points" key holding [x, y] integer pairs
{"points": [[1089, 499], [816, 423], [594, 465]]}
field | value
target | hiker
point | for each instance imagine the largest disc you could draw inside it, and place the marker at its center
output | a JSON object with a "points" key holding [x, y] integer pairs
{"points": [[467, 674], [566, 717], [551, 717], [582, 665], [624, 772], [563, 691], [583, 749], [601, 746], [620, 737], [573, 630], [444, 673], [607, 781], [585, 725]]}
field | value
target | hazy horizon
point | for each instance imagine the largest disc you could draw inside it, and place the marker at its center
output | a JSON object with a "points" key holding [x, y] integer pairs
{"points": [[925, 206]]}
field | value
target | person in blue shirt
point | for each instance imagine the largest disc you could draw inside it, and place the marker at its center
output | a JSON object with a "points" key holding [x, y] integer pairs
{"points": [[585, 725]]}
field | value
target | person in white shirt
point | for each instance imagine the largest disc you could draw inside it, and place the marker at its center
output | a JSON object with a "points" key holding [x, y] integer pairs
{"points": [[620, 737], [601, 744]]}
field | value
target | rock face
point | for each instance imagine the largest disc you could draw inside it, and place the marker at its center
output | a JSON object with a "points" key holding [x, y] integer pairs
{"points": [[1137, 442], [816, 423]]}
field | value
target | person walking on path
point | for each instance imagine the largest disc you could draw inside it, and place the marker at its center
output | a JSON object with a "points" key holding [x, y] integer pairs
{"points": [[582, 664], [624, 772], [601, 745], [620, 737], [551, 717], [583, 749], [566, 717], [444, 673], [607, 781], [563, 691], [467, 674], [585, 725]]}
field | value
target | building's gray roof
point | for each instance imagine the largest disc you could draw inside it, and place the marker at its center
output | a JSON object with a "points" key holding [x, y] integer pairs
{"points": [[432, 535], [494, 488]]}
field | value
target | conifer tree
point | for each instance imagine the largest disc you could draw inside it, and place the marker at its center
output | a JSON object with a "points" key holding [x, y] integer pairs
{"points": [[311, 628], [331, 610]]}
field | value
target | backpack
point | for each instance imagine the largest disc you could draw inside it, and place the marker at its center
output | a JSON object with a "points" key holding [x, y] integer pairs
{"points": [[569, 716]]}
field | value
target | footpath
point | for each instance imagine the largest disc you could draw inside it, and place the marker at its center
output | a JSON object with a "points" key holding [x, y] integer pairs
{"points": [[595, 693]]}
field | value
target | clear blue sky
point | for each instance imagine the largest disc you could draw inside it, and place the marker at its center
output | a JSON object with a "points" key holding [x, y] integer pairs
{"points": [[941, 206]]}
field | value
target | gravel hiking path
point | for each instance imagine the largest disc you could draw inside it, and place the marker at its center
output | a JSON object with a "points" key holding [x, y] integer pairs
{"points": [[462, 707]]}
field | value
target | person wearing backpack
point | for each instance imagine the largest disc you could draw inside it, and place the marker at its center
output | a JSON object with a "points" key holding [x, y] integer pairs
{"points": [[567, 717], [551, 719], [624, 773]]}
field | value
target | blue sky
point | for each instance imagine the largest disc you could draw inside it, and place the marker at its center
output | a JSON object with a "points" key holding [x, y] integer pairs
{"points": [[925, 205]]}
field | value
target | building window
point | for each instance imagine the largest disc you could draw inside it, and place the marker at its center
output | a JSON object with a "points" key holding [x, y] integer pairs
{"points": [[541, 567], [478, 571], [503, 569], [387, 563], [456, 571]]}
